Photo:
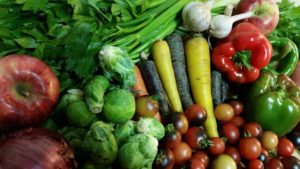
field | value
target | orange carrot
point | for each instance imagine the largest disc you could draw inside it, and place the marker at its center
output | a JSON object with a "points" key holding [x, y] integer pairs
{"points": [[139, 86]]}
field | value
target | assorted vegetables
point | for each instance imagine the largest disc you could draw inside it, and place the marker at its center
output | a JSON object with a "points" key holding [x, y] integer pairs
{"points": [[142, 84]]}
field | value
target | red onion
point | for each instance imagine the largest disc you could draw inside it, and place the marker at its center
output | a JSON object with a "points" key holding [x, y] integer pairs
{"points": [[35, 148]]}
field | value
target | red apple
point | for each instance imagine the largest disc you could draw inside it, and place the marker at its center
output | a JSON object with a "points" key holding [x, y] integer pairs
{"points": [[266, 13], [28, 91]]}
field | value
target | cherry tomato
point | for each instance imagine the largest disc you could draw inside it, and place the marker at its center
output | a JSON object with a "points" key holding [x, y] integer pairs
{"points": [[196, 115], [146, 106], [217, 147], [180, 122], [234, 153], [172, 137], [249, 148], [202, 156], [269, 140], [223, 161], [231, 132], [238, 106], [290, 162], [253, 128], [294, 136], [164, 159], [285, 147], [196, 138], [194, 164], [224, 112], [238, 121], [182, 153], [264, 155], [255, 164], [274, 163]]}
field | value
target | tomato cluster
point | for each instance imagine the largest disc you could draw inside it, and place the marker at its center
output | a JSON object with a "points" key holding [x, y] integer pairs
{"points": [[242, 144]]}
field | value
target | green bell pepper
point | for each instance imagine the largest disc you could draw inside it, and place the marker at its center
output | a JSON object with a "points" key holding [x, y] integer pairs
{"points": [[285, 56], [274, 102]]}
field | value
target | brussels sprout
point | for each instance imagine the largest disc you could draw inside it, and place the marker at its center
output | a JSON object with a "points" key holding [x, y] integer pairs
{"points": [[75, 137], [138, 152], [124, 131], [71, 96], [100, 143], [152, 126], [79, 115], [117, 65], [94, 92], [119, 106]]}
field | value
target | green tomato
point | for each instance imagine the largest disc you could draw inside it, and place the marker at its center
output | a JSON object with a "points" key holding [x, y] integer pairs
{"points": [[223, 161]]}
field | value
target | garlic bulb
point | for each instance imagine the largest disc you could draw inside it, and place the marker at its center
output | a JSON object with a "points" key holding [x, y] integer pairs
{"points": [[221, 25], [197, 15]]}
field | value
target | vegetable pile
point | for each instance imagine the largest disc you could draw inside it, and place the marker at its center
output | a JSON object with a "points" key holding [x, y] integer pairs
{"points": [[141, 84]]}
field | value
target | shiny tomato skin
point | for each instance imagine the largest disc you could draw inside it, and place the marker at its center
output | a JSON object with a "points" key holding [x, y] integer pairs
{"points": [[224, 112], [249, 148], [217, 147], [290, 162], [202, 156], [194, 164], [231, 132], [274, 163], [164, 159], [239, 121], [253, 128], [146, 106], [237, 105], [182, 153], [255, 164], [180, 122], [285, 147], [194, 137], [234, 153], [196, 115], [172, 139]]}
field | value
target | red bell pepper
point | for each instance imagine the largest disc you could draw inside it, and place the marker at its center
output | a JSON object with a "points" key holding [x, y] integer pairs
{"points": [[242, 53]]}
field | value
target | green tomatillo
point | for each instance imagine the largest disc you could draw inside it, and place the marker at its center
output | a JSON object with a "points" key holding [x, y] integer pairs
{"points": [[274, 102]]}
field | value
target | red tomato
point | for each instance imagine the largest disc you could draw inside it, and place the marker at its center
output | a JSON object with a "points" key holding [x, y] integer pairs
{"points": [[231, 132], [238, 106], [217, 147], [234, 153], [180, 122], [196, 115], [194, 164], [182, 153], [285, 147], [274, 163], [255, 164], [164, 159], [249, 148], [195, 137], [238, 121], [172, 138], [253, 128], [202, 156]]}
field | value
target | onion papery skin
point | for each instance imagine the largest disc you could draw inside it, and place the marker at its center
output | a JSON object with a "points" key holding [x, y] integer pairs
{"points": [[36, 148]]}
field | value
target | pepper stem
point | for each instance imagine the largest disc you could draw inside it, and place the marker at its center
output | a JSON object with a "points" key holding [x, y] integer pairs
{"points": [[242, 58]]}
